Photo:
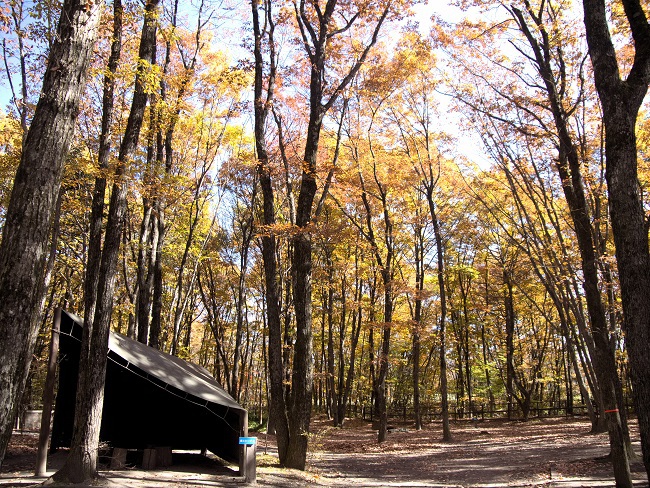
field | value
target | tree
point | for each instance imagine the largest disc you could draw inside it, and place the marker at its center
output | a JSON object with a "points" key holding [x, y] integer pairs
{"points": [[81, 463], [318, 28], [27, 28], [264, 98], [545, 107], [23, 250], [621, 100], [380, 234], [161, 154], [569, 169]]}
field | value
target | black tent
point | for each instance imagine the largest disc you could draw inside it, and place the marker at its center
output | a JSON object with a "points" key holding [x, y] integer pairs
{"points": [[151, 399]]}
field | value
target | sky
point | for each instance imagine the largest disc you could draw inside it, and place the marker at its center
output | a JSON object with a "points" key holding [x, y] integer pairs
{"points": [[423, 12]]}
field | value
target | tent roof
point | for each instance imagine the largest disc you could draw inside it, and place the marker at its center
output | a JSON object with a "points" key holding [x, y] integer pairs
{"points": [[169, 370]]}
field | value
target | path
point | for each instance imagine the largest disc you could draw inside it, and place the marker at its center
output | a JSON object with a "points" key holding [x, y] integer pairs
{"points": [[551, 453]]}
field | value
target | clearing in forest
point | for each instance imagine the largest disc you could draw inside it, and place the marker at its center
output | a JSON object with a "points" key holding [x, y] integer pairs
{"points": [[495, 453]]}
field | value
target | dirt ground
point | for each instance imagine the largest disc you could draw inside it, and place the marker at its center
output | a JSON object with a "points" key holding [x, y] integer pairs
{"points": [[493, 453]]}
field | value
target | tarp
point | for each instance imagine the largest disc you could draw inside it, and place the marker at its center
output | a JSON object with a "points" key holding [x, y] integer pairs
{"points": [[151, 398]]}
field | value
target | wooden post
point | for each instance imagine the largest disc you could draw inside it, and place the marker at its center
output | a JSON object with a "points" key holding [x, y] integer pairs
{"points": [[250, 476], [243, 432], [149, 459], [48, 398], [163, 456], [247, 452], [118, 458]]}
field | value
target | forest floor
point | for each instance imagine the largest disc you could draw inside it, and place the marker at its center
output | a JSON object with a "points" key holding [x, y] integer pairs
{"points": [[492, 453]]}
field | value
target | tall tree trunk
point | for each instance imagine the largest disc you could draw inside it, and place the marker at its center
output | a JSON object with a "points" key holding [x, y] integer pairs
{"points": [[23, 250], [99, 192], [145, 264], [301, 378], [510, 348], [464, 292], [152, 293], [446, 431], [386, 273], [341, 399], [456, 326], [322, 395], [247, 229], [385, 265], [332, 396], [372, 318], [263, 101], [417, 325], [569, 169], [484, 346], [316, 47], [48, 397], [144, 273], [155, 329], [179, 293], [620, 100], [81, 463], [356, 331]]}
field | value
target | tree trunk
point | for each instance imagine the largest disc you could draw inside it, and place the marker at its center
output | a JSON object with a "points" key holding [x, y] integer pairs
{"points": [[155, 329], [620, 100], [246, 229], [510, 348], [356, 331], [464, 292], [99, 192], [456, 326], [301, 379], [145, 261], [144, 272], [341, 398], [23, 250], [316, 47], [417, 325], [569, 169], [333, 397], [48, 397], [446, 431], [277, 408], [386, 273], [385, 265], [81, 463], [484, 346]]}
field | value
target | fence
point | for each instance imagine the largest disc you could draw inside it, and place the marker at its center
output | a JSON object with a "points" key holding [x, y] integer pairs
{"points": [[430, 413], [433, 412]]}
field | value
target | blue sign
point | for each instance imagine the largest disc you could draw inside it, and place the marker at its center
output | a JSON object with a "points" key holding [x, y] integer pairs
{"points": [[247, 441]]}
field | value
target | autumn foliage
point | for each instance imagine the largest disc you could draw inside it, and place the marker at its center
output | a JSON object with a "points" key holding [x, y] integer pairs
{"points": [[426, 189]]}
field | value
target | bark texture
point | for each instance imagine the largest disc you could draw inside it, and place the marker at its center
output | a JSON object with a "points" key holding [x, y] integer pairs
{"points": [[446, 429], [263, 100], [81, 463], [621, 100], [23, 250]]}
